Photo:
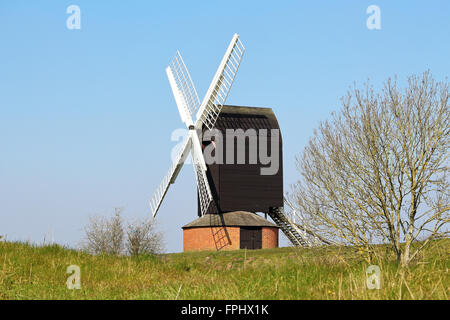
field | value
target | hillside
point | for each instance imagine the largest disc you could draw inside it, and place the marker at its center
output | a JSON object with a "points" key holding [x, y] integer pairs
{"points": [[28, 272]]}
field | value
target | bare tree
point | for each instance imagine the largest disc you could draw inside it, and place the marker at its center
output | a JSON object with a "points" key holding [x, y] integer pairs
{"points": [[378, 171], [142, 238], [105, 236]]}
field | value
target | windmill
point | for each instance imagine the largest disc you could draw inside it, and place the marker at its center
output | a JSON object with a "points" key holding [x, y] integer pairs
{"points": [[206, 114], [242, 192]]}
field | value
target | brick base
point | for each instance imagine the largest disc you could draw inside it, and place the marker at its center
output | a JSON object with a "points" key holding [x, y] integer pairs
{"points": [[228, 238]]}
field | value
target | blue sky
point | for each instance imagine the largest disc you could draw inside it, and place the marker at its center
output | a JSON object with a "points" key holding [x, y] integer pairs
{"points": [[86, 115]]}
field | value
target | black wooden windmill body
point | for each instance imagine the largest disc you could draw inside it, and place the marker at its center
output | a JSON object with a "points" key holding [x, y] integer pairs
{"points": [[242, 186], [231, 189]]}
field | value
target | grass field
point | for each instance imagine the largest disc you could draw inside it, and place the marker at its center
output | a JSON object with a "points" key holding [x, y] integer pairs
{"points": [[28, 272]]}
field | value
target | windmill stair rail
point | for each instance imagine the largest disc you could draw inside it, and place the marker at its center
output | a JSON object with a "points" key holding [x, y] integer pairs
{"points": [[289, 228]]}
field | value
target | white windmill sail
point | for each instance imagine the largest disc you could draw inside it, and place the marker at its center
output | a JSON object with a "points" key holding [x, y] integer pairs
{"points": [[183, 88], [188, 104], [221, 84], [203, 188], [160, 192]]}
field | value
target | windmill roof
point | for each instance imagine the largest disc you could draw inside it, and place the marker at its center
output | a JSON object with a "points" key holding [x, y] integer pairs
{"points": [[247, 110], [230, 219], [246, 117]]}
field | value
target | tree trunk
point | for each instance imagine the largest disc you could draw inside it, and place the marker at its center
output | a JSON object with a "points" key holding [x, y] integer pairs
{"points": [[406, 254]]}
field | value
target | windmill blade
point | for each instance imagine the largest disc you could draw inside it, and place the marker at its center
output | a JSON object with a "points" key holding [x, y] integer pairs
{"points": [[221, 84], [158, 195], [204, 191], [183, 89]]}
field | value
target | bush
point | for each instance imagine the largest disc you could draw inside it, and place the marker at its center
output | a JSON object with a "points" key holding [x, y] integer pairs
{"points": [[142, 238], [108, 236]]}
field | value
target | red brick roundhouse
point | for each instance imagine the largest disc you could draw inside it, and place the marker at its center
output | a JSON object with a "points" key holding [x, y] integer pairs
{"points": [[230, 231]]}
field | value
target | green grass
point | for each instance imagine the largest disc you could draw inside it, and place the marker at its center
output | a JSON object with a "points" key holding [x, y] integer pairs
{"points": [[29, 272]]}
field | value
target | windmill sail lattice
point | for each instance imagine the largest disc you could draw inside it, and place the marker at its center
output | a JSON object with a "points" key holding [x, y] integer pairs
{"points": [[220, 86], [178, 73], [204, 191], [160, 192]]}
